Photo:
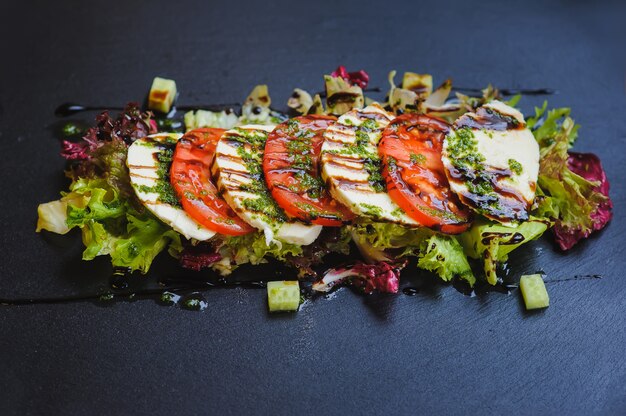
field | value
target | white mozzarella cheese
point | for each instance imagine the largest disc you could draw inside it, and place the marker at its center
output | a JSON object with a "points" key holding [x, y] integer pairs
{"points": [[149, 184], [238, 168], [351, 165], [492, 162]]}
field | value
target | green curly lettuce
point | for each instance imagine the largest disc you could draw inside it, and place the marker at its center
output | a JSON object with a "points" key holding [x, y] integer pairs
{"points": [[440, 254], [253, 248], [577, 205], [109, 225], [493, 242], [546, 125], [443, 255], [374, 239]]}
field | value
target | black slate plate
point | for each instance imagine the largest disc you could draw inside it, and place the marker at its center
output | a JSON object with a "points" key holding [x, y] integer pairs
{"points": [[435, 353]]}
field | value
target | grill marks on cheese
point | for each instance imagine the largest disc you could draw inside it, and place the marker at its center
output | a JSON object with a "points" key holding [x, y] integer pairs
{"points": [[492, 162], [351, 166], [148, 162], [239, 173]]}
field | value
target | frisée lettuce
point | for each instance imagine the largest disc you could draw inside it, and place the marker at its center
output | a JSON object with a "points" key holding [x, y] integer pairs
{"points": [[109, 225], [573, 188]]}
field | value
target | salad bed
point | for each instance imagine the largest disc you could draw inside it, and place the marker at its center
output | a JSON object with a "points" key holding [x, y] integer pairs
{"points": [[408, 178]]}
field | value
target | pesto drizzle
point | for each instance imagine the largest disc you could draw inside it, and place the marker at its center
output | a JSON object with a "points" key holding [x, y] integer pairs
{"points": [[464, 156], [364, 148], [163, 187], [263, 204]]}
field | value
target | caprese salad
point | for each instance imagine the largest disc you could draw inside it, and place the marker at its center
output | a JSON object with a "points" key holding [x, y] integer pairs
{"points": [[455, 182]]}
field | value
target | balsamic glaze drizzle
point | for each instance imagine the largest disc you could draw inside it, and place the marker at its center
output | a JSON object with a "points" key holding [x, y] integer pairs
{"points": [[69, 109], [509, 91], [187, 292]]}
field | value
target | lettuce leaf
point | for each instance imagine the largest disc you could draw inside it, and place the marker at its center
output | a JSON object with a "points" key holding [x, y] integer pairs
{"points": [[101, 153], [443, 255], [440, 254], [144, 239], [493, 242], [573, 189], [101, 201], [546, 124], [52, 216], [109, 225], [253, 248], [226, 255], [589, 167], [399, 240]]}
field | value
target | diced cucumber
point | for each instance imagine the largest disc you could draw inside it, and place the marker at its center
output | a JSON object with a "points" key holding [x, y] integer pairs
{"points": [[534, 291], [283, 296], [162, 95]]}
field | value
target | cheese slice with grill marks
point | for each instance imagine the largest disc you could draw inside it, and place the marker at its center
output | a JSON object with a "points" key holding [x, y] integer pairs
{"points": [[238, 167], [148, 163], [351, 165], [492, 162]]}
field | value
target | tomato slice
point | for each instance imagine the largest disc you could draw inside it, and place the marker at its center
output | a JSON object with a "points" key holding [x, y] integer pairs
{"points": [[190, 176], [410, 150], [290, 166]]}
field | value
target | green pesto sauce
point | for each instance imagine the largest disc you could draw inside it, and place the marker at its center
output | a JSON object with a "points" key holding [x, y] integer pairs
{"points": [[299, 150], [313, 211], [367, 152], [464, 156], [439, 214], [262, 204], [170, 125], [397, 212], [314, 187], [373, 168], [372, 210], [515, 166], [510, 120], [362, 139], [228, 221], [369, 125], [163, 187], [302, 161], [417, 158], [72, 129]]}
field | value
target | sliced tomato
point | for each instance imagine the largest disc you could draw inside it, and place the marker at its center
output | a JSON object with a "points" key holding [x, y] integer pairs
{"points": [[410, 150], [290, 166], [190, 176]]}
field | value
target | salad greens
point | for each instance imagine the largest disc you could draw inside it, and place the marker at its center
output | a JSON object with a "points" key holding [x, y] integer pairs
{"points": [[573, 188], [572, 196], [492, 242]]}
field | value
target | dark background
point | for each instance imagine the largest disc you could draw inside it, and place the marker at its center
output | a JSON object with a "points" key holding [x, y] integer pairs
{"points": [[436, 353]]}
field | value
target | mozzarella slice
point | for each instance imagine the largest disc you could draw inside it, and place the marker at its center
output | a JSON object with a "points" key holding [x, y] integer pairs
{"points": [[492, 162], [351, 165], [238, 168], [147, 160]]}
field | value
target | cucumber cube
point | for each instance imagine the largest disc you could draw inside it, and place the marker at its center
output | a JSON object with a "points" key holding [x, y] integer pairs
{"points": [[283, 296], [162, 95], [534, 291]]}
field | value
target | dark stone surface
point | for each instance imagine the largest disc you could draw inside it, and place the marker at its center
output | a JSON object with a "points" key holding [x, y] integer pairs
{"points": [[435, 353]]}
